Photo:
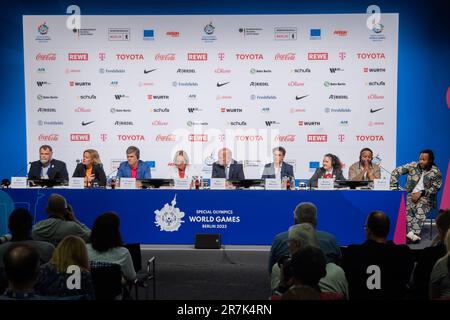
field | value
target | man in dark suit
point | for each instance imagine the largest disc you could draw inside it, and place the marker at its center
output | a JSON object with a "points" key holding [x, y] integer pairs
{"points": [[378, 268], [278, 168], [47, 167], [226, 167]]}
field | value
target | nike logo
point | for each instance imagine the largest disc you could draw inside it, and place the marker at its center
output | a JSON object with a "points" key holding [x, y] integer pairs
{"points": [[86, 123], [148, 71], [298, 98], [222, 84], [375, 110]]}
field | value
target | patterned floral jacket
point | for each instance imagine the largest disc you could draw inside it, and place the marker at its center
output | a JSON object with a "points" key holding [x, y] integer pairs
{"points": [[432, 179]]}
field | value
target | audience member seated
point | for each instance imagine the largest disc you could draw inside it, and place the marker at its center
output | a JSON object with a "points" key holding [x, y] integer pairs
{"points": [[440, 275], [377, 269], [20, 223], [107, 246], [55, 276], [21, 268], [305, 212], [61, 222], [429, 256], [301, 236], [308, 267]]}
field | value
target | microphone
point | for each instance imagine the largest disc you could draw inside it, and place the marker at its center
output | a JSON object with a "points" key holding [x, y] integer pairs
{"points": [[21, 169], [377, 160], [112, 172]]}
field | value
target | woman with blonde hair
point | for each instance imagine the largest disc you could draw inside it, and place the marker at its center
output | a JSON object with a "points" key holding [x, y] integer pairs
{"points": [[91, 169], [52, 280], [181, 169]]}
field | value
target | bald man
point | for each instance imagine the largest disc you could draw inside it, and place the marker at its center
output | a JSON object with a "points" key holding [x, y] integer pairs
{"points": [[226, 167]]}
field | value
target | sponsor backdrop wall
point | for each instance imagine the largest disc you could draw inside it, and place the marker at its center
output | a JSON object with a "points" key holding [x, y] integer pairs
{"points": [[421, 96], [312, 83]]}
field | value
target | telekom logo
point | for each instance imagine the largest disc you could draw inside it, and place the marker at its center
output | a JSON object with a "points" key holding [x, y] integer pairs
{"points": [[102, 56], [341, 137], [103, 136]]}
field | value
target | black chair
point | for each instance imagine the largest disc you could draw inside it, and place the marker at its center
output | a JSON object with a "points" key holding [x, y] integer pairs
{"points": [[142, 279], [107, 280]]}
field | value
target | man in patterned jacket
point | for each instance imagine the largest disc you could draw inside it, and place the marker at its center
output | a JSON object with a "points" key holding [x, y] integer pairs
{"points": [[422, 184]]}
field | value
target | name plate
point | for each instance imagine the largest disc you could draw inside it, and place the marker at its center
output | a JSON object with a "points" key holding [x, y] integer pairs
{"points": [[18, 182], [381, 184], [218, 184], [182, 184], [325, 184], [273, 184], [127, 183], [76, 183]]}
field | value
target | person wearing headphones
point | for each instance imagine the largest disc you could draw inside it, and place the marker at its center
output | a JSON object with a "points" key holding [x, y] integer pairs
{"points": [[331, 169], [364, 169], [133, 167]]}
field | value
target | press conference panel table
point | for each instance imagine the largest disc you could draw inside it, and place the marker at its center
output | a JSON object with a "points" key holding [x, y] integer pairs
{"points": [[242, 217]]}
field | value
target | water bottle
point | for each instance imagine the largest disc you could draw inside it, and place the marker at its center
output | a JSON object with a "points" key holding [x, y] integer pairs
{"points": [[292, 183], [288, 183], [113, 183]]}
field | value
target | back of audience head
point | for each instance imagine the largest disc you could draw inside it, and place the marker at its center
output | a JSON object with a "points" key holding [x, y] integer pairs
{"points": [[105, 233], [306, 212], [21, 266], [301, 293], [377, 226], [20, 223], [300, 236], [308, 266], [443, 223], [57, 206], [70, 251]]}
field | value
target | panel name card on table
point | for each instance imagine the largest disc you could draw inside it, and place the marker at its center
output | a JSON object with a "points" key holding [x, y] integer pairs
{"points": [[76, 183], [19, 182], [127, 183], [381, 184], [218, 183], [182, 184], [273, 184], [325, 184]]}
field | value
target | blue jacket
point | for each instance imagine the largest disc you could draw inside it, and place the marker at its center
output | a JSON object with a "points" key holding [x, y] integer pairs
{"points": [[327, 243], [143, 171]]}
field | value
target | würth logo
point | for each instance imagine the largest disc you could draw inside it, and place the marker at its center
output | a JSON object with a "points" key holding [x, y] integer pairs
{"points": [[195, 56], [78, 57]]}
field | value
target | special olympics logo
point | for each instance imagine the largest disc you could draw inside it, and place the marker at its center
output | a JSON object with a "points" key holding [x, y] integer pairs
{"points": [[169, 218]]}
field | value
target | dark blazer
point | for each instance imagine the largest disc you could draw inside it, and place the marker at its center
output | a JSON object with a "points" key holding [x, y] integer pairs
{"points": [[236, 171], [396, 263], [97, 170], [320, 172], [56, 171], [269, 171]]}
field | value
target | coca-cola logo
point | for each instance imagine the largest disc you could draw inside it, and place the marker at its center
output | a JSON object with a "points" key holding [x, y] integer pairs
{"points": [[285, 56], [166, 138], [165, 57], [48, 137], [285, 138], [46, 57], [130, 137]]}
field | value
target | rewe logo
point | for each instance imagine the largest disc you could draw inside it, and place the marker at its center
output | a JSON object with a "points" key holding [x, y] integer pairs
{"points": [[317, 138], [192, 56], [80, 137], [318, 56], [169, 218], [78, 57]]}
